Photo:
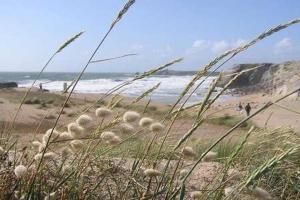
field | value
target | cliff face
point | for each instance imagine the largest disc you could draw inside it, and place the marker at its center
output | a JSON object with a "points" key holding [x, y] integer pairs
{"points": [[268, 77]]}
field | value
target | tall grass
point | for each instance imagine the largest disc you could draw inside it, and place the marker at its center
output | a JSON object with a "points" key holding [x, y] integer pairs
{"points": [[118, 153]]}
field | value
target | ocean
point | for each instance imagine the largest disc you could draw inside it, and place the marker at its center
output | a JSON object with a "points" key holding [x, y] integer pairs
{"points": [[170, 87]]}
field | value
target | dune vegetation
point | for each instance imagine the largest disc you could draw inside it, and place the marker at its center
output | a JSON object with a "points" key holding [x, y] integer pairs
{"points": [[128, 153]]}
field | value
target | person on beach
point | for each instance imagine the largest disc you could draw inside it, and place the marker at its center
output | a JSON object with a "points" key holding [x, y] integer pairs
{"points": [[248, 109], [240, 106]]}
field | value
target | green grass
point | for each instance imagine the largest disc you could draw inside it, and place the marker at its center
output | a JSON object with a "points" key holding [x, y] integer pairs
{"points": [[134, 147], [229, 121]]}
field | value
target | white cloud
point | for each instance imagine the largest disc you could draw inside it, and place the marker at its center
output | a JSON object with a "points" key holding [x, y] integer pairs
{"points": [[283, 45], [215, 46], [201, 44], [220, 46]]}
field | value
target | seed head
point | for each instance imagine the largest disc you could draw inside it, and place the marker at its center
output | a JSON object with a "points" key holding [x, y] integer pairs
{"points": [[103, 112], [76, 144], [188, 152], [47, 135], [210, 156], [115, 140], [50, 156], [65, 136], [75, 130], [107, 135], [66, 152], [126, 128], [156, 127], [84, 120], [47, 156], [145, 122], [196, 194], [261, 193], [131, 116], [42, 147], [183, 173], [151, 172], [38, 156], [36, 144], [20, 171]]}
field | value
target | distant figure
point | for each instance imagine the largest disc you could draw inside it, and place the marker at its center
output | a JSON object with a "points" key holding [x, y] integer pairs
{"points": [[41, 86], [240, 108], [248, 109], [65, 86]]}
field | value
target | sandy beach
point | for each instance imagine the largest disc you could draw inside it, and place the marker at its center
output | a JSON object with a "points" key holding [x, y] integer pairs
{"points": [[36, 117]]}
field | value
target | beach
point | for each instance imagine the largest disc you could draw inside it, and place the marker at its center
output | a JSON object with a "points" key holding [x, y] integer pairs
{"points": [[41, 109]]}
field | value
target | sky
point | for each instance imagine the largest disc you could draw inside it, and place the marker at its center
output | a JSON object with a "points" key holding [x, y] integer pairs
{"points": [[157, 30]]}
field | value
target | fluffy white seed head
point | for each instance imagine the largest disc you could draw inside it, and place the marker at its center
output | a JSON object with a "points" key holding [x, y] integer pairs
{"points": [[126, 128], [261, 193], [47, 135], [38, 157], [47, 156], [50, 130], [230, 191], [76, 144], [66, 152], [115, 140], [20, 171], [196, 194], [42, 147], [151, 172], [156, 127], [36, 145], [183, 173], [107, 135], [189, 152], [65, 136], [84, 120], [75, 130], [103, 112], [210, 156], [145, 122], [131, 116], [50, 156]]}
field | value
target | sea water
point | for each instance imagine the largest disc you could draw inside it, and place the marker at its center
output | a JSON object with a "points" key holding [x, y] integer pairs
{"points": [[168, 91]]}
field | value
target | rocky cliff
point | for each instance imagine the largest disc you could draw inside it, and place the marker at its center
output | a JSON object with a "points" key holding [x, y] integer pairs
{"points": [[267, 77]]}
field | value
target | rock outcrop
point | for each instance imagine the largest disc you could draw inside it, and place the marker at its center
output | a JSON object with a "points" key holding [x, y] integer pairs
{"points": [[8, 85], [266, 77]]}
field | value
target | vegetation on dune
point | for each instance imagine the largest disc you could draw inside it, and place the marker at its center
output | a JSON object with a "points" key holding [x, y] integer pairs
{"points": [[229, 121], [113, 151]]}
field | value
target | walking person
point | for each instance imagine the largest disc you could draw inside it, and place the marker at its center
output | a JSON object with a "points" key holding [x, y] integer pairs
{"points": [[248, 109], [240, 108]]}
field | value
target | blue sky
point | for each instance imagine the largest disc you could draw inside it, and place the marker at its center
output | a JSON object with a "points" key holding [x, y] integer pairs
{"points": [[158, 30]]}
